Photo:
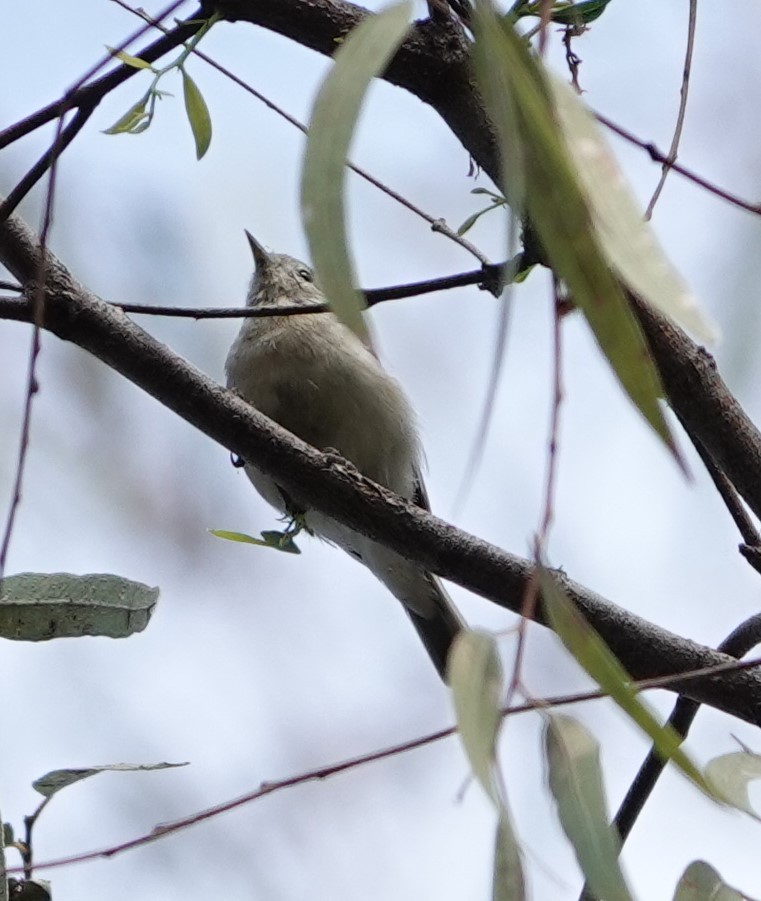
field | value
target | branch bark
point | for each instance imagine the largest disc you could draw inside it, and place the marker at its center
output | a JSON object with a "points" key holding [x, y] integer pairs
{"points": [[74, 314]]}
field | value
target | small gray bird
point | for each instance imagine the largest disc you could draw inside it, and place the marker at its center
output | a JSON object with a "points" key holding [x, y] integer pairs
{"points": [[316, 378]]}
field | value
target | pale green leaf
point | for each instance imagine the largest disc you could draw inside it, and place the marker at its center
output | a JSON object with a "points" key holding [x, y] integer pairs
{"points": [[54, 781], [128, 60], [41, 606], [508, 883], [540, 179], [729, 776], [701, 882], [575, 779], [474, 674], [627, 240], [603, 666], [362, 56], [198, 114]]}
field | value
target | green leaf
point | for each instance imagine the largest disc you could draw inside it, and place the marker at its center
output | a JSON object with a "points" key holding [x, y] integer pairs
{"points": [[508, 883], [279, 541], [132, 119], [198, 114], [41, 606], [578, 13], [701, 882], [729, 776], [603, 666], [128, 60], [575, 778], [474, 674], [472, 219], [364, 54], [54, 781], [540, 178], [626, 239]]}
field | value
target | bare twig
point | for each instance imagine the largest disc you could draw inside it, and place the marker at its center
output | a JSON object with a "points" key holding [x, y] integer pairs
{"points": [[684, 91]]}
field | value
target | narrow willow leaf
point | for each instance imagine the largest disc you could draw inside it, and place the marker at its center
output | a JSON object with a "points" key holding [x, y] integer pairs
{"points": [[474, 673], [730, 775], [508, 883], [198, 114], [52, 782], [626, 239], [41, 606], [364, 54], [603, 666], [128, 60], [540, 177], [701, 882], [575, 778], [134, 116]]}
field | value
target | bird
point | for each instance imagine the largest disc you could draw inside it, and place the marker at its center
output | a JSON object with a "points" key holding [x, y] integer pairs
{"points": [[316, 378]]}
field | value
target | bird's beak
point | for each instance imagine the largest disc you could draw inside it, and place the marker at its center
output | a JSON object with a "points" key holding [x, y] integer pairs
{"points": [[261, 257]]}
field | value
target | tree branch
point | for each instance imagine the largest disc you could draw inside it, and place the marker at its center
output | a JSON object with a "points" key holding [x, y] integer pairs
{"points": [[334, 487]]}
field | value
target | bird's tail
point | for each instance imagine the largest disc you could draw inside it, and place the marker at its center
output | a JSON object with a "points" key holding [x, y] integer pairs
{"points": [[439, 628]]}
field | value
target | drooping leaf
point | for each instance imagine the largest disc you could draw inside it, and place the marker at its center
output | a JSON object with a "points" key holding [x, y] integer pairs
{"points": [[701, 882], [603, 666], [41, 606], [198, 114], [474, 674], [364, 54], [627, 240], [540, 180], [575, 778], [508, 883], [52, 782]]}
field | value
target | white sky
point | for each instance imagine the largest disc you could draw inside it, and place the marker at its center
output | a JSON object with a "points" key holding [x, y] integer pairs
{"points": [[259, 666]]}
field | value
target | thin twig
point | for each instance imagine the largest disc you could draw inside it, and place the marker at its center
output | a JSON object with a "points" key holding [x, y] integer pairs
{"points": [[659, 157], [668, 165]]}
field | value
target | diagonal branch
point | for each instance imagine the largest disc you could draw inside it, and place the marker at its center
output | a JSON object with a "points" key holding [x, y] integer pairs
{"points": [[332, 486]]}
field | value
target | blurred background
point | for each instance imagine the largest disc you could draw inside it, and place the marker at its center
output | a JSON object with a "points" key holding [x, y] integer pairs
{"points": [[259, 666]]}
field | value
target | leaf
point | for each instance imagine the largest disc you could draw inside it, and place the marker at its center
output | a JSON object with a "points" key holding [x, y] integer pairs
{"points": [[198, 114], [364, 54], [627, 240], [52, 782], [508, 883], [474, 217], [575, 779], [280, 541], [729, 776], [701, 882], [474, 674], [540, 177], [41, 606], [578, 13], [132, 119], [603, 666], [128, 60]]}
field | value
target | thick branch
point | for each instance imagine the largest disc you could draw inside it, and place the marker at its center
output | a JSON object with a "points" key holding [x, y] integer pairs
{"points": [[327, 484], [433, 63]]}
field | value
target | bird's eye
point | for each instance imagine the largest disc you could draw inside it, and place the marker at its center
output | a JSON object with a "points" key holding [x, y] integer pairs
{"points": [[305, 274]]}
